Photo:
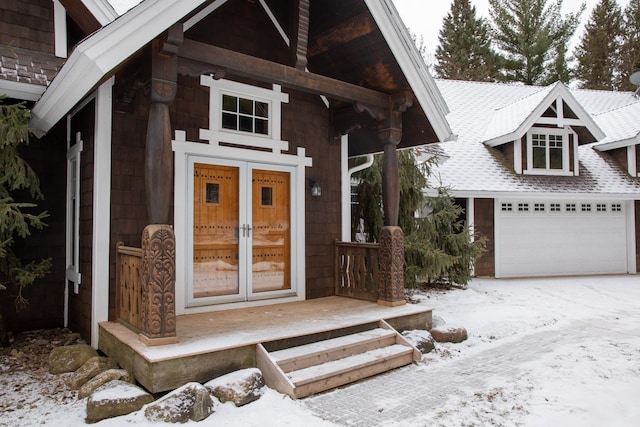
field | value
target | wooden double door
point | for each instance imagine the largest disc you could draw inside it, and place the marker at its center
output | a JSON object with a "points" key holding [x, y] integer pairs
{"points": [[241, 232]]}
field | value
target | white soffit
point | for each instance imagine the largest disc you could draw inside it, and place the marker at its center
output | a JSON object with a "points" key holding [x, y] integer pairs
{"points": [[101, 10], [22, 91]]}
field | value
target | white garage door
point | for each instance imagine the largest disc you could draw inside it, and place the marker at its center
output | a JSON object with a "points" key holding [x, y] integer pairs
{"points": [[560, 238]]}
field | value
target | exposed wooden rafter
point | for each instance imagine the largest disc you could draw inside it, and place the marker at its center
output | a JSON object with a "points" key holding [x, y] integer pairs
{"points": [[262, 70], [81, 15], [357, 26]]}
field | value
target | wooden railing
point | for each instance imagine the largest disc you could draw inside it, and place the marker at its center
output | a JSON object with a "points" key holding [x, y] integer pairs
{"points": [[357, 270], [129, 286]]}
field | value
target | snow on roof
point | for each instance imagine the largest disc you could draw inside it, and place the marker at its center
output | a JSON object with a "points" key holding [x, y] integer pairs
{"points": [[122, 6], [481, 111]]}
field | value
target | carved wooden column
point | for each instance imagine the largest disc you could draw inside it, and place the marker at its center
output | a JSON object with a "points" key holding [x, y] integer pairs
{"points": [[158, 285], [391, 239], [158, 155]]}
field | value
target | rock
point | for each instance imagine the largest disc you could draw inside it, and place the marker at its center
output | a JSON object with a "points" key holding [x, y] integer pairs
{"points": [[240, 387], [72, 338], [437, 321], [69, 358], [449, 333], [90, 369], [420, 339], [192, 402], [102, 378], [114, 399]]}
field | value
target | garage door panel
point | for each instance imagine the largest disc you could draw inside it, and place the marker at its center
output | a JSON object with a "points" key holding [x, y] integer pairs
{"points": [[546, 243]]}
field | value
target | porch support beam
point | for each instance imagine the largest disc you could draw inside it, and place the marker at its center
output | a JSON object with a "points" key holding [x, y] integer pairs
{"points": [[158, 152], [266, 71], [391, 258]]}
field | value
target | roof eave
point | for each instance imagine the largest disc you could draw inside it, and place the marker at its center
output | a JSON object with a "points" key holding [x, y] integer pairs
{"points": [[21, 91], [606, 146], [412, 65], [101, 10], [101, 53]]}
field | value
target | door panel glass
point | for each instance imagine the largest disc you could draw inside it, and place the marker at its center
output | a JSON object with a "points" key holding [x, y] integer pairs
{"points": [[271, 235], [215, 230]]}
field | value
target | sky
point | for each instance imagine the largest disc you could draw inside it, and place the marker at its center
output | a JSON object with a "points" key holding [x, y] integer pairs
{"points": [[424, 17]]}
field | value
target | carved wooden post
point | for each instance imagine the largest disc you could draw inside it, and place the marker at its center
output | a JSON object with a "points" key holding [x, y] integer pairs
{"points": [[391, 239], [158, 285], [159, 156]]}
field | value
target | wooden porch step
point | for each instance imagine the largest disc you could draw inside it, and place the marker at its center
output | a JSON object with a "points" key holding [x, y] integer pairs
{"points": [[326, 364]]}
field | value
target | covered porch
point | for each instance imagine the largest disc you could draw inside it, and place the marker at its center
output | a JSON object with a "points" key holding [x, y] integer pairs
{"points": [[215, 343]]}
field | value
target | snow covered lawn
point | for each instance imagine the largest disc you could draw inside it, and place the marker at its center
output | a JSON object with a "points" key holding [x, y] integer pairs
{"points": [[568, 351]]}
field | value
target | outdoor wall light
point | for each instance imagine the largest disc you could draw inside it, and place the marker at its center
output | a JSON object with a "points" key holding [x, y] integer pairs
{"points": [[316, 190]]}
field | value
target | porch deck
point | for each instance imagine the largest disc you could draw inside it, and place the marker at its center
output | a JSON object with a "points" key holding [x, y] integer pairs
{"points": [[215, 343]]}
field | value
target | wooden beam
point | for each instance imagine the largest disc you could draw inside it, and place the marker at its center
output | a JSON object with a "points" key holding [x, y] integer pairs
{"points": [[81, 15], [301, 36], [351, 29], [262, 70]]}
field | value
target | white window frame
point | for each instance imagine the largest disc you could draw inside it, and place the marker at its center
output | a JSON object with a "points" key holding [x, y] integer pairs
{"points": [[530, 170]]}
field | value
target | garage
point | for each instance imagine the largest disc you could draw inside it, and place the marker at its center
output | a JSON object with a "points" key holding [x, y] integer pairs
{"points": [[560, 237]]}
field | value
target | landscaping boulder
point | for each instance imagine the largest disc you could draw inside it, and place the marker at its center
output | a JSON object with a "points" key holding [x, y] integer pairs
{"points": [[90, 369], [192, 402], [114, 399], [449, 333], [420, 339], [102, 378], [70, 358], [240, 387]]}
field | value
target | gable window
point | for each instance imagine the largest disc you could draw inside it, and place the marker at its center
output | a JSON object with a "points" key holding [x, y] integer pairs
{"points": [[548, 151], [245, 115]]}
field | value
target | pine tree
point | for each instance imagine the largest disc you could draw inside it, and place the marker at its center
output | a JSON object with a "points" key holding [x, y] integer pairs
{"points": [[532, 33], [598, 53], [16, 218], [630, 49], [437, 245], [465, 51]]}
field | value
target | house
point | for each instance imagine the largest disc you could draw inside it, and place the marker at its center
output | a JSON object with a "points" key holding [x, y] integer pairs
{"points": [[548, 175], [183, 142]]}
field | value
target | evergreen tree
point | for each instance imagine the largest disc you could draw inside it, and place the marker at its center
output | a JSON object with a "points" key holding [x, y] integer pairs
{"points": [[630, 49], [437, 245], [465, 51], [16, 218], [598, 53], [532, 34]]}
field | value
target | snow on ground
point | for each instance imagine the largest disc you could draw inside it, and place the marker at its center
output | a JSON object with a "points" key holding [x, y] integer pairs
{"points": [[590, 378]]}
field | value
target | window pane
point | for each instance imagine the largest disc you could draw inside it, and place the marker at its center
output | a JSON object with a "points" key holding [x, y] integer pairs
{"points": [[539, 158], [229, 121], [246, 106], [555, 158], [261, 127], [262, 109], [246, 124], [229, 103]]}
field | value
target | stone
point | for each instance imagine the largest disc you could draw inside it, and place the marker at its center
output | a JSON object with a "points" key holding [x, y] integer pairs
{"points": [[102, 378], [90, 369], [192, 402], [437, 321], [449, 333], [69, 358], [114, 399], [240, 387], [72, 338], [420, 339]]}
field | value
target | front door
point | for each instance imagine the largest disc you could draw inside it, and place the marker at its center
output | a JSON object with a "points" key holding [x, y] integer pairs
{"points": [[241, 232]]}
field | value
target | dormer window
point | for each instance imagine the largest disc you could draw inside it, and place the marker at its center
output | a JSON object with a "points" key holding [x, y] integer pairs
{"points": [[547, 152]]}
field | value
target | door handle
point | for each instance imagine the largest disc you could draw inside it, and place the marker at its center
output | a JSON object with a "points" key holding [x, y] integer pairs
{"points": [[249, 230]]}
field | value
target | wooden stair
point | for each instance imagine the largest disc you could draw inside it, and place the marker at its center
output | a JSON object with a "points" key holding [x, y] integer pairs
{"points": [[324, 364]]}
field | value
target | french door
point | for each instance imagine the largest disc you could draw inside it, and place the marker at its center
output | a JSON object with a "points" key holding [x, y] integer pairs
{"points": [[241, 222]]}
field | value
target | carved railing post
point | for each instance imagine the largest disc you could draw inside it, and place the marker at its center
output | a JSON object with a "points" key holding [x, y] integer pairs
{"points": [[158, 285], [391, 237], [391, 259]]}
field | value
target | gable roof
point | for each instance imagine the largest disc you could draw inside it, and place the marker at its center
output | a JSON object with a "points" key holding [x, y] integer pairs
{"points": [[481, 111], [94, 59]]}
